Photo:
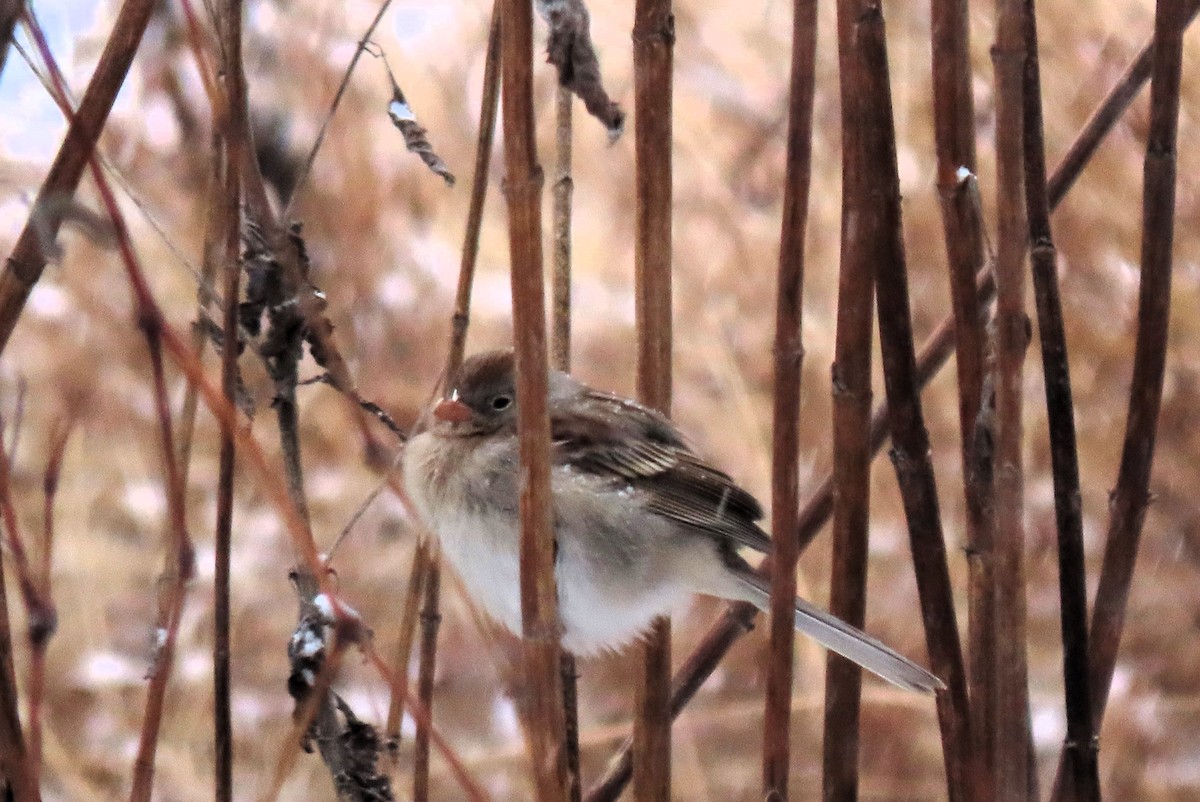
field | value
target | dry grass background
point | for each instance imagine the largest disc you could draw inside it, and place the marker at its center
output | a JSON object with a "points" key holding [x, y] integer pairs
{"points": [[384, 235]]}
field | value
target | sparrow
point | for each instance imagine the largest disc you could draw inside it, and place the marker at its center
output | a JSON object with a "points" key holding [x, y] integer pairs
{"points": [[641, 522]]}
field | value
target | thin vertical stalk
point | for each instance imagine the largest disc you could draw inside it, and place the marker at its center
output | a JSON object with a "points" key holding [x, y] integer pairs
{"points": [[233, 121], [851, 412], [880, 235], [1132, 494], [1080, 747], [1012, 672], [789, 357], [459, 322], [479, 184], [17, 776], [430, 621], [27, 260], [954, 136], [408, 628], [738, 618], [653, 53], [179, 560], [564, 185], [1131, 497], [539, 599], [560, 359]]}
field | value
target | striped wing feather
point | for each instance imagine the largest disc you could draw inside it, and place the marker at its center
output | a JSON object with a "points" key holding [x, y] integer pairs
{"points": [[636, 447]]}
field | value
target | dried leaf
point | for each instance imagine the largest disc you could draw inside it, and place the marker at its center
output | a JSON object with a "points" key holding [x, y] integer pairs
{"points": [[414, 133], [570, 49]]}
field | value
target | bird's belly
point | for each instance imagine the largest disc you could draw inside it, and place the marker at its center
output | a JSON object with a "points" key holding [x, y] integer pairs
{"points": [[598, 613], [485, 555], [601, 616]]}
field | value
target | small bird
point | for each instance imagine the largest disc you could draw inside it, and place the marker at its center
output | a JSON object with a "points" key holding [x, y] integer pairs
{"points": [[641, 523]]}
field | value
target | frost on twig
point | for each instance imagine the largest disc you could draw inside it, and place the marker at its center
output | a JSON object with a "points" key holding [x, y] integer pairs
{"points": [[414, 133], [570, 49]]}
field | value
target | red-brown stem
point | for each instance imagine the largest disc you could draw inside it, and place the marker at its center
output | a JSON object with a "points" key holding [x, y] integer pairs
{"points": [[1011, 338], [880, 244], [231, 120], [540, 628], [789, 357], [180, 556], [458, 339], [408, 627], [41, 631], [738, 618], [954, 135], [1080, 746], [18, 763], [560, 312], [560, 359], [653, 45], [851, 386], [1131, 496], [178, 570], [159, 334], [430, 620], [479, 185], [27, 260], [266, 475]]}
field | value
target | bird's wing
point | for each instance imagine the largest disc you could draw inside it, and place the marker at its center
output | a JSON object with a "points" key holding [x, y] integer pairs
{"points": [[633, 446]]}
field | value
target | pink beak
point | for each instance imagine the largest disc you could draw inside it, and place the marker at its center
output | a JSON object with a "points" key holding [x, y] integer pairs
{"points": [[452, 410]]}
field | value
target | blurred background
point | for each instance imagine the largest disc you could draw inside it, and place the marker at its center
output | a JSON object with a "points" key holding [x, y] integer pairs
{"points": [[385, 236]]}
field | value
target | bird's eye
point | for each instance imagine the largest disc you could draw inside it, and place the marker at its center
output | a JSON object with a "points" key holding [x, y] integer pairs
{"points": [[501, 402]]}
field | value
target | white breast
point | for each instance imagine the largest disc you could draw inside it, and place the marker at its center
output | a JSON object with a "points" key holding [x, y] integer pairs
{"points": [[602, 607]]}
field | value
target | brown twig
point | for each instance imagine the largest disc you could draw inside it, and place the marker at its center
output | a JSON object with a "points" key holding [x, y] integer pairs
{"points": [[738, 618], [19, 762], [540, 629], [789, 357], [560, 359], [232, 120], [479, 183], [180, 554], [460, 320], [560, 278], [15, 769], [1011, 338], [42, 627], [431, 619], [27, 260], [408, 626], [1080, 746], [954, 134], [653, 45], [160, 335], [880, 245], [851, 407], [1131, 497]]}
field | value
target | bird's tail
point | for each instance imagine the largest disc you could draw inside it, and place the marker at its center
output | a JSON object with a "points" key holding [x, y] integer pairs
{"points": [[838, 636]]}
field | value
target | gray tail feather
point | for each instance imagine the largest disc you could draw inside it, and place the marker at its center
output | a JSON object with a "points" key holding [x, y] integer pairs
{"points": [[853, 644]]}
